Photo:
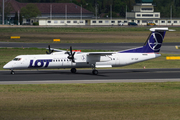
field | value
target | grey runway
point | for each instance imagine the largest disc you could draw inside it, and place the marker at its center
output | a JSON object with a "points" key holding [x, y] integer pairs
{"points": [[166, 47], [85, 76]]}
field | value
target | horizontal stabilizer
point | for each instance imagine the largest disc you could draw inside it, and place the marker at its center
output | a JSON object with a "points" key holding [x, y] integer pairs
{"points": [[158, 29]]}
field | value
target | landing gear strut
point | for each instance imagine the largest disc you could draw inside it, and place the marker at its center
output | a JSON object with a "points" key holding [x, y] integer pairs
{"points": [[94, 72], [12, 72], [73, 70]]}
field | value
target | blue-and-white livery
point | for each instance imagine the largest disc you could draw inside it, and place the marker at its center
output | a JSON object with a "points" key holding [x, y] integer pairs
{"points": [[153, 43], [67, 59]]}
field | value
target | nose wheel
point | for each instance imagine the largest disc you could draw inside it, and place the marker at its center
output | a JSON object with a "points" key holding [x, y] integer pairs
{"points": [[12, 72], [73, 70]]}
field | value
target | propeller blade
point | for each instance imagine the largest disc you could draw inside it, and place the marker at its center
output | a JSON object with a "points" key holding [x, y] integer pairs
{"points": [[71, 49], [49, 48], [71, 54], [68, 53], [50, 51]]}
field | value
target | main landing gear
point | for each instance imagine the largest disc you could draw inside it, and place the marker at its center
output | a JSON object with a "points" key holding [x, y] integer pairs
{"points": [[73, 70], [12, 72], [94, 72]]}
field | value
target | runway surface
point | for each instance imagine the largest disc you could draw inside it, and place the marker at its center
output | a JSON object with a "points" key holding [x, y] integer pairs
{"points": [[166, 47], [86, 76]]}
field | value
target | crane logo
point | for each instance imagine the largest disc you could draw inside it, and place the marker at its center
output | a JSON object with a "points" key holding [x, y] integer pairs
{"points": [[83, 57], [156, 41]]}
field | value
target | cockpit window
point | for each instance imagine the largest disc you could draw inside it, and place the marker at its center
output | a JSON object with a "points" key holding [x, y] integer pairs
{"points": [[16, 59]]}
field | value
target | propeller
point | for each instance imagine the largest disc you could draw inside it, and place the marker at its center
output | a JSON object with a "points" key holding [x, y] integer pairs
{"points": [[71, 54], [50, 51]]}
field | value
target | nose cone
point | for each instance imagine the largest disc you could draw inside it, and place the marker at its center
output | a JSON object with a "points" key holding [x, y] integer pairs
{"points": [[7, 66]]}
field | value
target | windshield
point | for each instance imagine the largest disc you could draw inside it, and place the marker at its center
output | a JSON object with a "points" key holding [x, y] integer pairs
{"points": [[16, 59]]}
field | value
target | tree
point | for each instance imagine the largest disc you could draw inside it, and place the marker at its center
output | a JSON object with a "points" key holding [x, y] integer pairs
{"points": [[21, 19], [16, 18], [120, 7], [30, 11], [7, 9]]}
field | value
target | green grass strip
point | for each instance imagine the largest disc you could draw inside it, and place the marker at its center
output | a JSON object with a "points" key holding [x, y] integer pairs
{"points": [[91, 101]]}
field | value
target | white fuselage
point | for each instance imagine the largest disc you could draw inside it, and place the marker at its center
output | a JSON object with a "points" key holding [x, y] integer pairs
{"points": [[82, 60]]}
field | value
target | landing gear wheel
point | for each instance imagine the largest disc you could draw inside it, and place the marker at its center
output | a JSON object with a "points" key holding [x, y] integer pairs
{"points": [[95, 72], [12, 72], [73, 70]]}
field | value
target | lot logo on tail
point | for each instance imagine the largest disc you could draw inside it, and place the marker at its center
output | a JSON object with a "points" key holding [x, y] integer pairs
{"points": [[155, 41]]}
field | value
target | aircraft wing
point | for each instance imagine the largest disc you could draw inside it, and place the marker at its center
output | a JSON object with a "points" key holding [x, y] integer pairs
{"points": [[101, 53], [56, 50], [93, 57]]}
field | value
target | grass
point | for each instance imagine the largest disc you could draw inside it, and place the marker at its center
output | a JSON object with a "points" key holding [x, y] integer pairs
{"points": [[73, 29], [78, 29], [91, 101], [7, 54], [83, 35]]}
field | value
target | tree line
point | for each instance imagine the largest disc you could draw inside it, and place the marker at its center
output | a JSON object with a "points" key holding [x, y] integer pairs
{"points": [[118, 6]]}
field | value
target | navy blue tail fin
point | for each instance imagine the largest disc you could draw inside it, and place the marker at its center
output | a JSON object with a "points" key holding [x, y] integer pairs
{"points": [[153, 43]]}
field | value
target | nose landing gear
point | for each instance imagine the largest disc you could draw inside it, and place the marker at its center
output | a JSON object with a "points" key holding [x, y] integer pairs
{"points": [[73, 70]]}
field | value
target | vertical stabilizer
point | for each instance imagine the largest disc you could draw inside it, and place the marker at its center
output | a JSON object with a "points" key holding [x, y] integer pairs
{"points": [[153, 43]]}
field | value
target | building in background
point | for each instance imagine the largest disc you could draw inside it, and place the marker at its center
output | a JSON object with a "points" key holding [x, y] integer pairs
{"points": [[50, 11], [143, 12], [64, 14]]}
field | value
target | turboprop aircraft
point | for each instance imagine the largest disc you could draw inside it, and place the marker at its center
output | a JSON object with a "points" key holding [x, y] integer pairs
{"points": [[56, 58]]}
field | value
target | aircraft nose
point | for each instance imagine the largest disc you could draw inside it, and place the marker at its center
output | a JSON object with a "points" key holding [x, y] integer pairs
{"points": [[7, 66]]}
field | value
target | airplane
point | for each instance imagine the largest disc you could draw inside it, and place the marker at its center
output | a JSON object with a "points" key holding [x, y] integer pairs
{"points": [[55, 58]]}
